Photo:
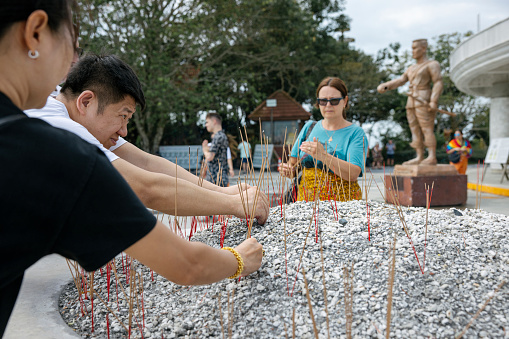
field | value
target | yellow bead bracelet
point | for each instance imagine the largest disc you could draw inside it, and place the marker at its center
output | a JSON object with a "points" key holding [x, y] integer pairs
{"points": [[240, 268]]}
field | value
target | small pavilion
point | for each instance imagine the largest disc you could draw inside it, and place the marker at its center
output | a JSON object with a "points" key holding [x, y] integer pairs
{"points": [[280, 112]]}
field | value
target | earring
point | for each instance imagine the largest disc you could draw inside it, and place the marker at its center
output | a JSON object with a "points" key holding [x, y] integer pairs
{"points": [[33, 55]]}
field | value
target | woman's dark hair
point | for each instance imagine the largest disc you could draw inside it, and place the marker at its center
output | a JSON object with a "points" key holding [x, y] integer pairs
{"points": [[454, 134], [59, 12], [110, 78], [338, 84]]}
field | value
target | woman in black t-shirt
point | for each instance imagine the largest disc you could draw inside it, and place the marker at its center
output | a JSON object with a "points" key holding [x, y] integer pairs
{"points": [[60, 194]]}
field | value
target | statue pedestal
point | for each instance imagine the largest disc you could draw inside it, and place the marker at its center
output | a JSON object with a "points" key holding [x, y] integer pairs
{"points": [[408, 182]]}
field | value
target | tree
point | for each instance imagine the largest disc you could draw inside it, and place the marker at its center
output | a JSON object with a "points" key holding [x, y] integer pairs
{"points": [[199, 55], [150, 36], [468, 108]]}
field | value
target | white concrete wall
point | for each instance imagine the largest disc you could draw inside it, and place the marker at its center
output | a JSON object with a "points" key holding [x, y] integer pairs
{"points": [[499, 118], [480, 65]]}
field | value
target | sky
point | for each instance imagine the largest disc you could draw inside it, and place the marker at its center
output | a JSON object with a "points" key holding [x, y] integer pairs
{"points": [[377, 23]]}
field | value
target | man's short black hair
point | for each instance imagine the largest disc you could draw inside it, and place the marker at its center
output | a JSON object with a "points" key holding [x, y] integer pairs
{"points": [[107, 76]]}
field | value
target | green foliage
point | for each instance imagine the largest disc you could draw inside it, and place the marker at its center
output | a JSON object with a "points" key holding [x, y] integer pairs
{"points": [[151, 37], [228, 56], [452, 99]]}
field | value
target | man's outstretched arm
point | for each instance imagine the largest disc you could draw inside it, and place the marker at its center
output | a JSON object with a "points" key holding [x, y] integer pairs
{"points": [[192, 263], [155, 164], [165, 193]]}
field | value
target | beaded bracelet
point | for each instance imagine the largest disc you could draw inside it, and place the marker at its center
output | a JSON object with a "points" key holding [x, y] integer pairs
{"points": [[240, 268]]}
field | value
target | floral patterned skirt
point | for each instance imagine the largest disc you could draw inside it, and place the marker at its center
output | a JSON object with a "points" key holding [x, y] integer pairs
{"points": [[327, 185]]}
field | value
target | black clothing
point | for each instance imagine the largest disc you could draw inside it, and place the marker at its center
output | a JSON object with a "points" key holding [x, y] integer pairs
{"points": [[58, 194]]}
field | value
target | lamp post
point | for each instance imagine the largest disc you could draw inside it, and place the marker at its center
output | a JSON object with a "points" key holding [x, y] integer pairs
{"points": [[271, 103]]}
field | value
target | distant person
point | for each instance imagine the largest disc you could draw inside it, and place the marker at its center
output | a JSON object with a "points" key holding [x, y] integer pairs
{"points": [[378, 158], [59, 193], [232, 153], [216, 154], [335, 145], [231, 170], [368, 157], [391, 151], [459, 150], [245, 153]]}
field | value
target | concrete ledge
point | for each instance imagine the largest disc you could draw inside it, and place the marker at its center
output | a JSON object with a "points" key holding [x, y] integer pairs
{"points": [[35, 314]]}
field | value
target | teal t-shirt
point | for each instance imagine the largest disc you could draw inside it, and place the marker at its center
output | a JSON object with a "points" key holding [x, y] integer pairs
{"points": [[244, 147], [348, 143]]}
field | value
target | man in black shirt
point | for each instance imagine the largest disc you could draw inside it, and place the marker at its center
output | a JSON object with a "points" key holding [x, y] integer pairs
{"points": [[59, 194], [48, 208]]}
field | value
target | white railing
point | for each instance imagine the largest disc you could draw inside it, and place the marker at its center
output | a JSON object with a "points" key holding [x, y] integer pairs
{"points": [[482, 41]]}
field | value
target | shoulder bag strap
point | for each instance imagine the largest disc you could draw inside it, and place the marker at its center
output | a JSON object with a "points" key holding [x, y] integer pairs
{"points": [[298, 177], [310, 129]]}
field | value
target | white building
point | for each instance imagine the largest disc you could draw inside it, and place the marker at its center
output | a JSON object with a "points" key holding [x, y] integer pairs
{"points": [[480, 67]]}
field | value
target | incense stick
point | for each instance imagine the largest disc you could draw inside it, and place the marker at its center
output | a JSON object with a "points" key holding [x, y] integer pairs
{"points": [[491, 296], [220, 314], [324, 285], [304, 246], [348, 281], [390, 286], [309, 303]]}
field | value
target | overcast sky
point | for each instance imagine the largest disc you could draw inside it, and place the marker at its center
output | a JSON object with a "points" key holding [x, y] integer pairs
{"points": [[377, 23]]}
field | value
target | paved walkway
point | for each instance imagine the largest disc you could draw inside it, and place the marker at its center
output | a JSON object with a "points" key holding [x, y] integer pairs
{"points": [[36, 312]]}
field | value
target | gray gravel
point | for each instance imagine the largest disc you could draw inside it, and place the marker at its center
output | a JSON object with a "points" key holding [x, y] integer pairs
{"points": [[467, 256]]}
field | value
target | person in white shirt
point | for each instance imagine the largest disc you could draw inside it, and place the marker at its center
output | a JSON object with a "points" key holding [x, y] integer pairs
{"points": [[96, 102]]}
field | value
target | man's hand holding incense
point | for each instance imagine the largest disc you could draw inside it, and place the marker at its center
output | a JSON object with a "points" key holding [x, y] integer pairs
{"points": [[247, 199]]}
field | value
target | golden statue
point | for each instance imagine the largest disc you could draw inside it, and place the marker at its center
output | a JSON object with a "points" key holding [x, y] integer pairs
{"points": [[422, 103]]}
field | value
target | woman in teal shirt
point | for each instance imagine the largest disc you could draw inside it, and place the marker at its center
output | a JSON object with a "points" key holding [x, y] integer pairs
{"points": [[332, 156]]}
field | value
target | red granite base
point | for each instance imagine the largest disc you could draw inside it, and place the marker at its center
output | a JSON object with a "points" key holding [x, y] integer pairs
{"points": [[449, 190]]}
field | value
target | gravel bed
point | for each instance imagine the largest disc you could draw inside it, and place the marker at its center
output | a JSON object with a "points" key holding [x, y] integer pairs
{"points": [[467, 257]]}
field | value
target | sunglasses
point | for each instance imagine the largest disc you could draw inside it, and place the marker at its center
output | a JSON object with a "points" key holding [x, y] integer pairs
{"points": [[333, 101]]}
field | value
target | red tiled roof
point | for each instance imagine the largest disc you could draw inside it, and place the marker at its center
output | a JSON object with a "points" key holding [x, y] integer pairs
{"points": [[287, 109]]}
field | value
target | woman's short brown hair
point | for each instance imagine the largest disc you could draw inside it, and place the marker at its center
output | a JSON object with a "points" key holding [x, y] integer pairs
{"points": [[338, 84]]}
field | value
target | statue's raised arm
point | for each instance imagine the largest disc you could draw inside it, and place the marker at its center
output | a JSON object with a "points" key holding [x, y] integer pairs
{"points": [[387, 86], [422, 103]]}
